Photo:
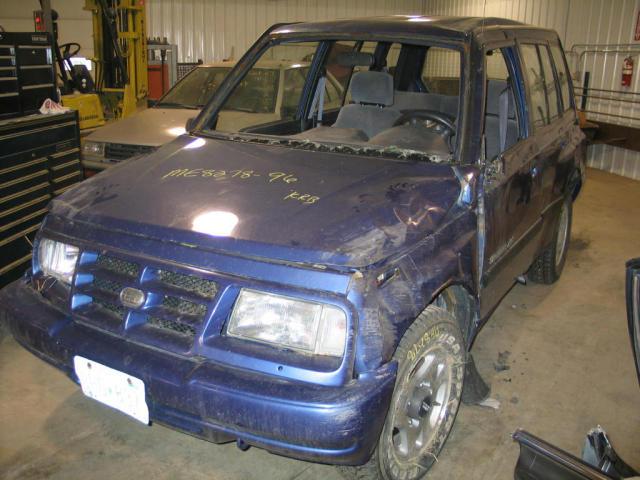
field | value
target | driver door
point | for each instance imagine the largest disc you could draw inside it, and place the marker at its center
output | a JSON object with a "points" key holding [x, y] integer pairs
{"points": [[511, 190]]}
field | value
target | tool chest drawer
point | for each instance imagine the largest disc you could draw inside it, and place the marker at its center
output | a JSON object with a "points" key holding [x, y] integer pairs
{"points": [[39, 159], [26, 72]]}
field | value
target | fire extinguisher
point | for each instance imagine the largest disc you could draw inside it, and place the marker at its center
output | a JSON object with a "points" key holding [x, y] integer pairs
{"points": [[627, 71]]}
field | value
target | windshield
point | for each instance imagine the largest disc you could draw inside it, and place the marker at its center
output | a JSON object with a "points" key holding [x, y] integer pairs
{"points": [[390, 97], [196, 88]]}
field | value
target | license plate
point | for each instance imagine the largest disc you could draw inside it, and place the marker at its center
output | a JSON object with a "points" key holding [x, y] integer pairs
{"points": [[112, 387]]}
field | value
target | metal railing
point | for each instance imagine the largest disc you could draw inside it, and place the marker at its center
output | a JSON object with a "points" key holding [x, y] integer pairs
{"points": [[606, 98]]}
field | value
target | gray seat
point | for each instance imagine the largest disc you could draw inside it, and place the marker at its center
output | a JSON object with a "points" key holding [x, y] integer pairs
{"points": [[333, 134], [372, 93], [492, 118], [426, 101]]}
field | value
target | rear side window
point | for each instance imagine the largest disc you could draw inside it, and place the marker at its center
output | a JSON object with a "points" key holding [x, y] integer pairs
{"points": [[563, 75], [535, 82], [441, 71], [549, 82]]}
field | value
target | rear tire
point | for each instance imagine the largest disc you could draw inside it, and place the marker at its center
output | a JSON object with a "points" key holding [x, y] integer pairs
{"points": [[547, 267], [431, 364]]}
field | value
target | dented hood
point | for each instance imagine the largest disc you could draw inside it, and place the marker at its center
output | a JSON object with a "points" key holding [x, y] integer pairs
{"points": [[269, 201]]}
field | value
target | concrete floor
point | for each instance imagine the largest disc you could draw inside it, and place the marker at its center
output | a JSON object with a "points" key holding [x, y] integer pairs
{"points": [[565, 348]]}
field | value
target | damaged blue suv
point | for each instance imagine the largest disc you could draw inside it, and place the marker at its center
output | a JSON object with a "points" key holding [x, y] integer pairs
{"points": [[311, 283]]}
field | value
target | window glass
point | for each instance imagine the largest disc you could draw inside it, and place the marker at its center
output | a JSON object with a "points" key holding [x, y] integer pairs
{"points": [[267, 98], [196, 88], [535, 83], [294, 79], [499, 135], [338, 76], [496, 67], [254, 101], [441, 71], [549, 82], [564, 77]]}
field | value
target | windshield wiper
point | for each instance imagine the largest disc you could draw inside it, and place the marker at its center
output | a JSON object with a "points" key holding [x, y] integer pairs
{"points": [[177, 105]]}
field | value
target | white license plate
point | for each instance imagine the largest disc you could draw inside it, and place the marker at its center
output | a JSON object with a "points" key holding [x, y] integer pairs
{"points": [[112, 387]]}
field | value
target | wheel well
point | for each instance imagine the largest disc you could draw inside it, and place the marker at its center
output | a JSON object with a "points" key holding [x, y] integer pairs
{"points": [[457, 300]]}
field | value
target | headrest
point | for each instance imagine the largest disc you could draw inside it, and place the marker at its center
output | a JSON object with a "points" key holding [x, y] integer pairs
{"points": [[494, 89], [355, 59], [372, 87]]}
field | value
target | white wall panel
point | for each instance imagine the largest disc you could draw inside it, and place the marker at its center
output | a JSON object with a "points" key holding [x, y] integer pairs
{"points": [[212, 30]]}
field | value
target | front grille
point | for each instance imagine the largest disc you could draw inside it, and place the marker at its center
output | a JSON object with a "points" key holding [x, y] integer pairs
{"points": [[123, 151], [107, 285], [176, 303], [183, 307], [177, 327], [118, 265], [200, 286], [110, 308]]}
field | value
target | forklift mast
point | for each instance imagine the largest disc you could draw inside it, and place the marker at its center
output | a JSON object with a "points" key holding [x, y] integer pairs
{"points": [[120, 54]]}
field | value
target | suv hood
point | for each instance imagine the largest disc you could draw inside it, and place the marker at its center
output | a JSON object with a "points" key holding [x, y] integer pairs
{"points": [[153, 127], [269, 201]]}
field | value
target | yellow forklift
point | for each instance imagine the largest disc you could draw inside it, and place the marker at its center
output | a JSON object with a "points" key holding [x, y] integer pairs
{"points": [[119, 84]]}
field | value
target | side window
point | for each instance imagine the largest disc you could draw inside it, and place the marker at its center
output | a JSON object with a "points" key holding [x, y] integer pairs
{"points": [[294, 79], [563, 76], [501, 123], [332, 94], [535, 82], [441, 71], [549, 82], [496, 66], [338, 75]]}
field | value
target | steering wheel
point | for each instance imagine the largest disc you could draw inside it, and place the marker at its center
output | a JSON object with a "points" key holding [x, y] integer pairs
{"points": [[66, 49], [442, 119]]}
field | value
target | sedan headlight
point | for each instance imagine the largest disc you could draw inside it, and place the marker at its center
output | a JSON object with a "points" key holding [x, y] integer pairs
{"points": [[93, 149], [57, 259], [297, 324]]}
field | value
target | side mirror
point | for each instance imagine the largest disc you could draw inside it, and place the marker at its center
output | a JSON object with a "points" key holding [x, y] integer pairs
{"points": [[191, 124]]}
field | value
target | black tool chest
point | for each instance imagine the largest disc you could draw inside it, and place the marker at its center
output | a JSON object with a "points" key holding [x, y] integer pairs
{"points": [[39, 159], [26, 72]]}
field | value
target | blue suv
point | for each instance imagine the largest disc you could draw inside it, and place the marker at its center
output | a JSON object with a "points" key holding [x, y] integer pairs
{"points": [[312, 284]]}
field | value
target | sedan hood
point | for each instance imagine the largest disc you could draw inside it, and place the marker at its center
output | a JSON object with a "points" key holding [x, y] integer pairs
{"points": [[152, 127], [269, 201]]}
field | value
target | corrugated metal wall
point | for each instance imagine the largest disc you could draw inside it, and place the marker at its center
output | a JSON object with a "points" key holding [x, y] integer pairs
{"points": [[580, 22], [215, 29]]}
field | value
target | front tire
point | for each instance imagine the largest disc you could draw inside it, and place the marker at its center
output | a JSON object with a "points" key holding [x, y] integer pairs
{"points": [[431, 362], [548, 266]]}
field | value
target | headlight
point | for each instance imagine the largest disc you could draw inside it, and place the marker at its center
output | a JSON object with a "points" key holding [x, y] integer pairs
{"points": [[287, 322], [57, 259], [94, 149]]}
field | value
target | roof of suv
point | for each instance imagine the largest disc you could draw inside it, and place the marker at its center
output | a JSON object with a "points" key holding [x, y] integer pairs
{"points": [[454, 27]]}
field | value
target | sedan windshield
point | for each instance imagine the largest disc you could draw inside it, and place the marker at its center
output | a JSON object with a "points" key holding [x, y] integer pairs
{"points": [[196, 88], [371, 96]]}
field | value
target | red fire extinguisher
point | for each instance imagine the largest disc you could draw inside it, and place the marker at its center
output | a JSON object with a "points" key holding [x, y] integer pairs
{"points": [[627, 71]]}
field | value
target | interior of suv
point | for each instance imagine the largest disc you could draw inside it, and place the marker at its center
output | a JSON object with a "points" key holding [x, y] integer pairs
{"points": [[394, 95]]}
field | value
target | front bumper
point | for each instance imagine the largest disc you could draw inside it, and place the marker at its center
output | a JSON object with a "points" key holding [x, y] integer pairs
{"points": [[336, 425]]}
